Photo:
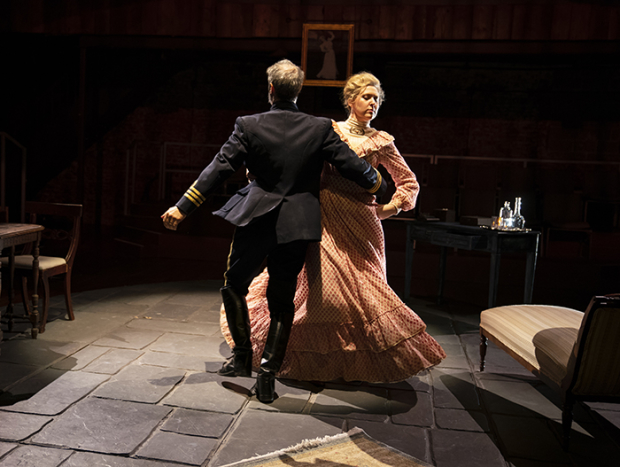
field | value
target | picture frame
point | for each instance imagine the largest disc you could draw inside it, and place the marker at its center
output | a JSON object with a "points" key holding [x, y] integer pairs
{"points": [[327, 54]]}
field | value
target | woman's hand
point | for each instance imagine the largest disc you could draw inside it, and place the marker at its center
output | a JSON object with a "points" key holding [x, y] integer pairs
{"points": [[249, 176], [386, 210]]}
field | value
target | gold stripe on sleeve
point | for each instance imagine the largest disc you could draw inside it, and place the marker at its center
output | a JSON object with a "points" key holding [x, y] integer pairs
{"points": [[377, 185], [196, 193], [189, 195]]}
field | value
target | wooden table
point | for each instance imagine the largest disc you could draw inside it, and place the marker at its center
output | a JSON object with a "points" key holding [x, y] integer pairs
{"points": [[465, 237], [12, 235]]}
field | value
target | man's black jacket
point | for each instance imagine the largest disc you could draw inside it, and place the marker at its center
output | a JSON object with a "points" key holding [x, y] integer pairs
{"points": [[285, 150]]}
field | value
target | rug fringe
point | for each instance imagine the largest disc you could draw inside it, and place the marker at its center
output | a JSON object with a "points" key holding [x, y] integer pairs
{"points": [[310, 443]]}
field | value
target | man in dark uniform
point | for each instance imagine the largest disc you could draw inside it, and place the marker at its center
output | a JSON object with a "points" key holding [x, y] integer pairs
{"points": [[276, 215]]}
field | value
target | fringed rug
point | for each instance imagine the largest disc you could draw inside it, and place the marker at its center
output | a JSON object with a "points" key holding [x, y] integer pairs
{"points": [[354, 448]]}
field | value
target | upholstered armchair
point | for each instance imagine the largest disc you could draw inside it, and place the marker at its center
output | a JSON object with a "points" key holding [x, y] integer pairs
{"points": [[575, 353]]}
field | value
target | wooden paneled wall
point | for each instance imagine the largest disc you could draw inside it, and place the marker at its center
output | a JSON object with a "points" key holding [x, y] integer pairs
{"points": [[555, 20]]}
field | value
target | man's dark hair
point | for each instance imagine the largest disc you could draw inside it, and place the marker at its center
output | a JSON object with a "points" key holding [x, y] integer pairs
{"points": [[287, 79]]}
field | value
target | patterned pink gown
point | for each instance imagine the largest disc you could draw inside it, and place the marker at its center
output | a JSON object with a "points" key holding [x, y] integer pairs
{"points": [[349, 324]]}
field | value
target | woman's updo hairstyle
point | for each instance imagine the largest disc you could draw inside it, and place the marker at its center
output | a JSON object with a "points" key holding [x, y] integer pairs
{"points": [[356, 84]]}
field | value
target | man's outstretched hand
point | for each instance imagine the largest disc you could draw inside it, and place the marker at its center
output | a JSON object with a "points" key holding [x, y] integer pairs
{"points": [[172, 218]]}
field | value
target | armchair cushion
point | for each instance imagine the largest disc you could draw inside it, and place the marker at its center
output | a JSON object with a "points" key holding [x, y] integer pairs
{"points": [[541, 337]]}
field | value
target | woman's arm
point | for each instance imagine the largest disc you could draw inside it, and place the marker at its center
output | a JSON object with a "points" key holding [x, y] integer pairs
{"points": [[407, 187]]}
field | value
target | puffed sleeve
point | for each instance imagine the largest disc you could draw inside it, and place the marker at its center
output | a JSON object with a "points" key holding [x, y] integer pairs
{"points": [[407, 186]]}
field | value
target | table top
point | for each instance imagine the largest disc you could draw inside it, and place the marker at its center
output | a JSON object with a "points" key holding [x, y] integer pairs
{"points": [[8, 230], [456, 226]]}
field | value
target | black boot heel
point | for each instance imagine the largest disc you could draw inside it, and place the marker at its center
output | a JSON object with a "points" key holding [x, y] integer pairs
{"points": [[265, 387], [237, 365]]}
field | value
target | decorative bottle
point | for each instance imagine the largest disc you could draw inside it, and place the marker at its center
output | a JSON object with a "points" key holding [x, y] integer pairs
{"points": [[519, 220], [505, 216]]}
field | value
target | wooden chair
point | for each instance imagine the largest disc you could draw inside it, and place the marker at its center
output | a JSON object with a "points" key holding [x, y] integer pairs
{"points": [[4, 213], [575, 353], [62, 230]]}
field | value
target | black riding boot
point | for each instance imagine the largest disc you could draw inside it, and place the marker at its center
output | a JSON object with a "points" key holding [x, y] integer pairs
{"points": [[273, 355], [240, 364]]}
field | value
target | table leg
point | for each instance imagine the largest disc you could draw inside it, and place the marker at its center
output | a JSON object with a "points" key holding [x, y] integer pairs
{"points": [[9, 306], [408, 261], [530, 269], [494, 273], [443, 255], [34, 317]]}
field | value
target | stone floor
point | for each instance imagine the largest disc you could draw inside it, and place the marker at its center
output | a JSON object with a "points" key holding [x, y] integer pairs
{"points": [[131, 382]]}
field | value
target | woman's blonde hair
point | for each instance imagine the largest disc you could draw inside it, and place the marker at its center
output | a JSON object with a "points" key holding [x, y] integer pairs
{"points": [[356, 84]]}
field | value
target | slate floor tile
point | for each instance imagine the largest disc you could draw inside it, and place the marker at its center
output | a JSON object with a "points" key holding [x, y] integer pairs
{"points": [[195, 298], [591, 444], [29, 386], [362, 403], [192, 450], [88, 459], [185, 362], [420, 382], [102, 425], [518, 399], [407, 408], [198, 423], [36, 352], [149, 297], [113, 361], [206, 391], [19, 426], [141, 383], [258, 432], [464, 449], [292, 398], [81, 358], [207, 314], [454, 389], [464, 420], [162, 325], [189, 345], [411, 440], [60, 394], [127, 338], [6, 447], [87, 327], [116, 309], [171, 311], [34, 456], [603, 406], [455, 357], [129, 296], [11, 373], [529, 438]]}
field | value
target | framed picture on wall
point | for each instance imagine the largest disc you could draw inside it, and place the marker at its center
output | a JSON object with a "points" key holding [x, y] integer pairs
{"points": [[327, 54]]}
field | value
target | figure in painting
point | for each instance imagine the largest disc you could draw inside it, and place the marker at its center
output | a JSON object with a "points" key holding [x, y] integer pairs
{"points": [[329, 70]]}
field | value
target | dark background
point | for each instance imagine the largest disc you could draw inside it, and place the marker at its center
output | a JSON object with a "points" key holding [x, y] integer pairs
{"points": [[523, 97]]}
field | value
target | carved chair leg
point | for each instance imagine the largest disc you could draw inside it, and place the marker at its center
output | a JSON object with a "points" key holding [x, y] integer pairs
{"points": [[567, 420], [483, 350], [46, 303], [25, 298], [68, 301]]}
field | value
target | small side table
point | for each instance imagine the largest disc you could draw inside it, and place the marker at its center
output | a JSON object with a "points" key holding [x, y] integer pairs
{"points": [[453, 235], [12, 235]]}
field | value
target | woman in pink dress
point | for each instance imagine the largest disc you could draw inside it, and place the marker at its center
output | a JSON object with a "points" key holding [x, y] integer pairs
{"points": [[349, 323]]}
